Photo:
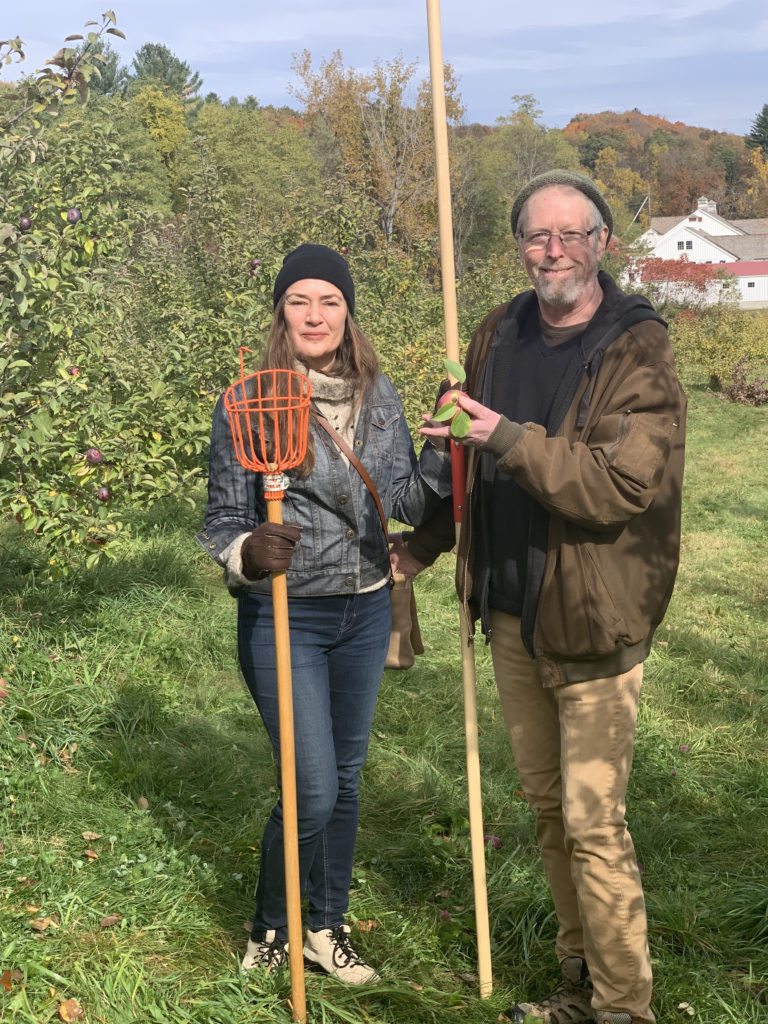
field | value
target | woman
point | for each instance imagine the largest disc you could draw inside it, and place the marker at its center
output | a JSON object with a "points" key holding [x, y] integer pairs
{"points": [[333, 547]]}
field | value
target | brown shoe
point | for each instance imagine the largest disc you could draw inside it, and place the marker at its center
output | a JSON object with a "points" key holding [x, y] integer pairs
{"points": [[569, 1002]]}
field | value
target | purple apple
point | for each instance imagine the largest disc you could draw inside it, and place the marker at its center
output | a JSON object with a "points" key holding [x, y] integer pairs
{"points": [[344, 250], [73, 215], [255, 262], [94, 456], [25, 223], [103, 494]]}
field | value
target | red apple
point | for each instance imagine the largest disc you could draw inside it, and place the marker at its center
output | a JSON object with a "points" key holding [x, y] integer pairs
{"points": [[450, 396]]}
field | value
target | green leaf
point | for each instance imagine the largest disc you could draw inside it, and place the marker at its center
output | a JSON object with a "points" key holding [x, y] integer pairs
{"points": [[116, 32], [461, 424], [446, 412], [456, 370]]}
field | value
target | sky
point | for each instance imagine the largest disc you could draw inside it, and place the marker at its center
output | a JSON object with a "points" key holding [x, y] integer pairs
{"points": [[702, 62]]}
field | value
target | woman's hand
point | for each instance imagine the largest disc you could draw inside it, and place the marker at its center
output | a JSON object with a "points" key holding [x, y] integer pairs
{"points": [[401, 559], [269, 549], [483, 422]]}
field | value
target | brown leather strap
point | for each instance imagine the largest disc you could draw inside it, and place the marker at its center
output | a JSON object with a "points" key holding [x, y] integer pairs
{"points": [[340, 443]]}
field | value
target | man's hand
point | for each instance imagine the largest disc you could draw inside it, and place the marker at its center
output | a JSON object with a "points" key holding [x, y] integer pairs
{"points": [[400, 559], [483, 423], [269, 549]]}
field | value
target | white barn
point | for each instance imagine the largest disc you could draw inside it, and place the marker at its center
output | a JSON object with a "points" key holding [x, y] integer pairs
{"points": [[738, 247]]}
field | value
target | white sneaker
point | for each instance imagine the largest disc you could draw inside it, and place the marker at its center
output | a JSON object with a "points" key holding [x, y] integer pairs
{"points": [[331, 949], [267, 953]]}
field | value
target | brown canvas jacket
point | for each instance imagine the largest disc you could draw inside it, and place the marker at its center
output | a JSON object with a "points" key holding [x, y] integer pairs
{"points": [[608, 486]]}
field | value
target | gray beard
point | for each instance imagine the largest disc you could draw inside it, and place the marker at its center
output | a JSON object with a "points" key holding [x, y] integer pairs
{"points": [[557, 294]]}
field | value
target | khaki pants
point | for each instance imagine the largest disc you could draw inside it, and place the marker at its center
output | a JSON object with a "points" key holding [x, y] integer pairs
{"points": [[573, 748]]}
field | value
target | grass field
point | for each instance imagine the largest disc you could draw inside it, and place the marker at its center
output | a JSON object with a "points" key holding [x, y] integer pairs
{"points": [[135, 778]]}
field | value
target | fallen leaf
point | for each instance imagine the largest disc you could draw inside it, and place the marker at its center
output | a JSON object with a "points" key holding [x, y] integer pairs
{"points": [[109, 920], [90, 854], [90, 837], [142, 803], [368, 926], [22, 737], [247, 925], [5, 981], [70, 1010], [3, 690], [2, 846], [41, 924], [32, 909]]}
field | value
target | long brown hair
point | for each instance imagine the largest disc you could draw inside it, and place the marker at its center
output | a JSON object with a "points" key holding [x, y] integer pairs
{"points": [[356, 360]]}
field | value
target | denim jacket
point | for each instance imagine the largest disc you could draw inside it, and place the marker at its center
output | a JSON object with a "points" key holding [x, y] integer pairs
{"points": [[342, 548]]}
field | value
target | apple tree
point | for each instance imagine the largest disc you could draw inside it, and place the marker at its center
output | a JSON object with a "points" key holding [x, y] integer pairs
{"points": [[92, 425]]}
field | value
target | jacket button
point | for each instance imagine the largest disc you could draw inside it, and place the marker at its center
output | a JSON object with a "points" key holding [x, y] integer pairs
{"points": [[349, 582], [211, 545], [343, 499], [358, 443], [350, 534]]}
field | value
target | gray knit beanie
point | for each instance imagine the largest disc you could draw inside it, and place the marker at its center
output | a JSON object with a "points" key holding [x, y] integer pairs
{"points": [[319, 263], [562, 177]]}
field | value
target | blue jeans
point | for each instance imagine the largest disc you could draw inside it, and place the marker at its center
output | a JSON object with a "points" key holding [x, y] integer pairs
{"points": [[338, 649]]}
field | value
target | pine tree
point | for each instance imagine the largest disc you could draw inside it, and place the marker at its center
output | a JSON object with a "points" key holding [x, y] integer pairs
{"points": [[758, 135]]}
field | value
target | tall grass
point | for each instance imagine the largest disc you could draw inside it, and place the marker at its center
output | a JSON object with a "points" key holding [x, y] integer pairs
{"points": [[125, 719]]}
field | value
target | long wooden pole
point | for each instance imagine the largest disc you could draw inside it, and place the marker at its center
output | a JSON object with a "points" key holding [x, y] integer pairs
{"points": [[445, 222], [288, 779]]}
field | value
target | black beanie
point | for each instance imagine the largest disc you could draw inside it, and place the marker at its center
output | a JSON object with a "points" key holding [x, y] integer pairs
{"points": [[561, 177], [317, 262]]}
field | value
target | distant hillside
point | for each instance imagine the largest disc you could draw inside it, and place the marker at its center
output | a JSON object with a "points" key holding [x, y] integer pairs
{"points": [[672, 162], [635, 122]]}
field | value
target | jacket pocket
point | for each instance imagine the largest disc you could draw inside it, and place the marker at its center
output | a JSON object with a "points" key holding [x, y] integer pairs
{"points": [[642, 445], [383, 441], [580, 613]]}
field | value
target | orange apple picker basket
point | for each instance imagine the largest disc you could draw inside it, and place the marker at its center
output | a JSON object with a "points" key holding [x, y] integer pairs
{"points": [[269, 417]]}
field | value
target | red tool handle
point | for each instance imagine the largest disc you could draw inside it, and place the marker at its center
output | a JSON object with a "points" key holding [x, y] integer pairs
{"points": [[458, 479]]}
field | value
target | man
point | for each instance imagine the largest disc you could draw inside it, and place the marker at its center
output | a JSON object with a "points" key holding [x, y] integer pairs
{"points": [[568, 555]]}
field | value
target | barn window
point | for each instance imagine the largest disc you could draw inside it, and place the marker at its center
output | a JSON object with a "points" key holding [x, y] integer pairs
{"points": [[689, 245], [681, 245]]}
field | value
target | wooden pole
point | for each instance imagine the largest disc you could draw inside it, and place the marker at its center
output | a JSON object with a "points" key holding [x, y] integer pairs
{"points": [[288, 779], [447, 266]]}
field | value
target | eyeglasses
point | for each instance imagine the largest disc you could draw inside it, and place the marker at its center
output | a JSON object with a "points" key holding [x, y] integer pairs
{"points": [[538, 240]]}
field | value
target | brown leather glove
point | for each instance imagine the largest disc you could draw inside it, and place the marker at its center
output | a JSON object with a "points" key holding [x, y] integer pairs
{"points": [[268, 549]]}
